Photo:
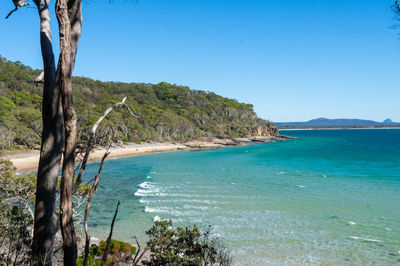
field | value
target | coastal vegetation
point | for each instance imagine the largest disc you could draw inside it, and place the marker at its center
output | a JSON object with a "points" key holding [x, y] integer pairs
{"points": [[166, 112]]}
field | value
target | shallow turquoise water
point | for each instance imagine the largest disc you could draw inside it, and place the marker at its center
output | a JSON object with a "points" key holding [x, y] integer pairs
{"points": [[328, 197]]}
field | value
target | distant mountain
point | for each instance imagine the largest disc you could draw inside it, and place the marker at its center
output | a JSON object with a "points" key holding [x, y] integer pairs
{"points": [[325, 122], [388, 121]]}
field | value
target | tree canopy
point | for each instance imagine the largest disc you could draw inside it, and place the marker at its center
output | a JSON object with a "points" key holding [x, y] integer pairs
{"points": [[167, 112]]}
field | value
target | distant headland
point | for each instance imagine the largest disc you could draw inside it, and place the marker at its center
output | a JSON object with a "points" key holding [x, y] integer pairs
{"points": [[338, 123]]}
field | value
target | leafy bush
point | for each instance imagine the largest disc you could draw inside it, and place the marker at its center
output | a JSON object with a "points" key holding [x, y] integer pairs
{"points": [[15, 221], [119, 252], [184, 246]]}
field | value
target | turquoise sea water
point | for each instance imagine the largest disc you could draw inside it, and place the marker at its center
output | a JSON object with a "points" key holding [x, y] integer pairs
{"points": [[328, 197]]}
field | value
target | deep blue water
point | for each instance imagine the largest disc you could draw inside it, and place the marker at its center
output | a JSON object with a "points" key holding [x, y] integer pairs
{"points": [[328, 197]]}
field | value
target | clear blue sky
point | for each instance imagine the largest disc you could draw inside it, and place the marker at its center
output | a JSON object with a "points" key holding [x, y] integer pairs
{"points": [[293, 59]]}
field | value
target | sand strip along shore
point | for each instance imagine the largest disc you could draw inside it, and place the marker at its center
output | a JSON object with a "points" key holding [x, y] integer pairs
{"points": [[27, 161]]}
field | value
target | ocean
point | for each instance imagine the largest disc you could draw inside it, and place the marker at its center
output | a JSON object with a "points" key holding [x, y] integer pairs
{"points": [[327, 197]]}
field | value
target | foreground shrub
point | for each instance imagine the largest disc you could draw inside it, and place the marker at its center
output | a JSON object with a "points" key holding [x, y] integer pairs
{"points": [[184, 246], [120, 252], [15, 238], [15, 219]]}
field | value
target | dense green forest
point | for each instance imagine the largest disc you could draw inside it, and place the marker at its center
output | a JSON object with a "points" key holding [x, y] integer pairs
{"points": [[166, 112]]}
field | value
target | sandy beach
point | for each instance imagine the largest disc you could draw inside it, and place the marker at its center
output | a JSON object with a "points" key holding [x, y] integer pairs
{"points": [[28, 160]]}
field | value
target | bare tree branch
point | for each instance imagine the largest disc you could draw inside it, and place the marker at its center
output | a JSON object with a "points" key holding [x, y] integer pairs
{"points": [[103, 262], [12, 11], [17, 3], [139, 258], [40, 78], [138, 251], [92, 137], [89, 202]]}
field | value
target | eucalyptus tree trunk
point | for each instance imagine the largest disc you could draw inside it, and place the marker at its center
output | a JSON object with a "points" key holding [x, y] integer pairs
{"points": [[69, 15], [45, 223]]}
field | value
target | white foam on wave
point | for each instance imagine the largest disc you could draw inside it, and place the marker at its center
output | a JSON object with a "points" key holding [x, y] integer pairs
{"points": [[148, 189], [148, 177], [351, 223], [203, 208], [201, 201], [145, 185], [280, 173], [149, 209], [366, 239], [325, 176], [388, 229], [301, 186], [145, 193], [171, 211]]}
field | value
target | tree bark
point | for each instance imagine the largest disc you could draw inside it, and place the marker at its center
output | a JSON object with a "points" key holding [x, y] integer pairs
{"points": [[69, 15], [45, 223]]}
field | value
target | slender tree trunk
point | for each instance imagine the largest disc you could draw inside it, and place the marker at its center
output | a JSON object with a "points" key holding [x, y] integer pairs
{"points": [[89, 202], [69, 15], [45, 223], [107, 250]]}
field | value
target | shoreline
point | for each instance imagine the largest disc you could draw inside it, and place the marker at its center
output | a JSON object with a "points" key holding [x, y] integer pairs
{"points": [[28, 160]]}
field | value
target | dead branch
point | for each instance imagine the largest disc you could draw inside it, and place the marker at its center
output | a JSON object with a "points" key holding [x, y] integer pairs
{"points": [[40, 78], [138, 251], [103, 262], [139, 258], [17, 3], [89, 202], [92, 137]]}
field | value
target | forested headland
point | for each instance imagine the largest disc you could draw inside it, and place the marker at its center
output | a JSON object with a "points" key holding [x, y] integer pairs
{"points": [[166, 112]]}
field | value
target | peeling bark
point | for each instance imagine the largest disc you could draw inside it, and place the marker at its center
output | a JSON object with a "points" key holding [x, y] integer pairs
{"points": [[69, 15]]}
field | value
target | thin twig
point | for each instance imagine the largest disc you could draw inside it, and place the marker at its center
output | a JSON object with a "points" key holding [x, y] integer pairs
{"points": [[17, 3], [103, 261], [138, 251], [147, 249], [12, 11]]}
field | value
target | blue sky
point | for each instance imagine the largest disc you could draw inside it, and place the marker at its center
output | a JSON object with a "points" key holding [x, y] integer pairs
{"points": [[294, 60]]}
